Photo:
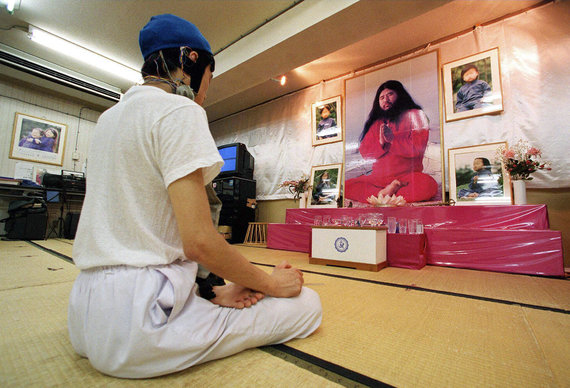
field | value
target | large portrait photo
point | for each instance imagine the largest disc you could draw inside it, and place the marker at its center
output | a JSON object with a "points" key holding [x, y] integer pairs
{"points": [[393, 133], [472, 86], [38, 140]]}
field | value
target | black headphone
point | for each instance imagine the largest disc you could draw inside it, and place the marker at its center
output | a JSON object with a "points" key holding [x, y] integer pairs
{"points": [[196, 69]]}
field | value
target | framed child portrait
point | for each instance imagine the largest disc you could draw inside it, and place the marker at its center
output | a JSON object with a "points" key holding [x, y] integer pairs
{"points": [[325, 185], [326, 121], [472, 86], [38, 140], [477, 176]]}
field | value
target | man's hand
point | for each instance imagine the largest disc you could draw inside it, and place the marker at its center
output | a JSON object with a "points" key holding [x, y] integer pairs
{"points": [[289, 281]]}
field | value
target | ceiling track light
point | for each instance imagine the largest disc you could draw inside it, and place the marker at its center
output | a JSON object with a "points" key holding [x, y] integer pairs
{"points": [[282, 80], [11, 5], [83, 54]]}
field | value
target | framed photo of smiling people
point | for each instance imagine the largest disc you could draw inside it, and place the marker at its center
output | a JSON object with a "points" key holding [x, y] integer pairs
{"points": [[477, 176], [38, 140], [472, 86], [326, 121], [393, 136]]}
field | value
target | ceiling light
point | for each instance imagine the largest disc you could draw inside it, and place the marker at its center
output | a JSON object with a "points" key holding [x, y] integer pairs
{"points": [[282, 80], [85, 55], [10, 5]]}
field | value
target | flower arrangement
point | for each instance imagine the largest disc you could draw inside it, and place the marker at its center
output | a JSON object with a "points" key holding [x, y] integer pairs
{"points": [[297, 187], [522, 160]]}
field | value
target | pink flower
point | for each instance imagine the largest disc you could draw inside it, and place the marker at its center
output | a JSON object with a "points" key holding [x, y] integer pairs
{"points": [[509, 154], [533, 151]]}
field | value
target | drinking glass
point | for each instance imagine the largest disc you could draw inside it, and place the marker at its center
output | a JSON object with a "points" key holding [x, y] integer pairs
{"points": [[412, 226], [391, 224], [403, 226], [380, 219], [419, 227]]}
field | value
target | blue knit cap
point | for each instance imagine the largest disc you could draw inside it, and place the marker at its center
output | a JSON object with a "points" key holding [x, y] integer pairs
{"points": [[169, 31]]}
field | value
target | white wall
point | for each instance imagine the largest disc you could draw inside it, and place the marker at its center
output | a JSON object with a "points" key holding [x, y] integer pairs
{"points": [[16, 98]]}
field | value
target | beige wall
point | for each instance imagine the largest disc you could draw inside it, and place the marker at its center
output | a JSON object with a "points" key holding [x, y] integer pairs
{"points": [[556, 200]]}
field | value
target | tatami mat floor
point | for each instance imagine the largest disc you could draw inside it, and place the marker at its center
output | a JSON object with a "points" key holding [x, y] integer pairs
{"points": [[433, 327]]}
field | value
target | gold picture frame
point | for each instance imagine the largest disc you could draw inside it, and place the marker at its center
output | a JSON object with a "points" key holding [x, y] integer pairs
{"points": [[483, 93], [325, 185], [477, 176], [38, 140], [326, 121]]}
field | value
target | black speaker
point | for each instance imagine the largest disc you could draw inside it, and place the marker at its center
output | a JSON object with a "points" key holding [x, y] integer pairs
{"points": [[30, 226], [70, 225], [234, 193]]}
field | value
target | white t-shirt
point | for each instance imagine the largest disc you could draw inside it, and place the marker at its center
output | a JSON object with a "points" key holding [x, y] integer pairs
{"points": [[148, 140]]}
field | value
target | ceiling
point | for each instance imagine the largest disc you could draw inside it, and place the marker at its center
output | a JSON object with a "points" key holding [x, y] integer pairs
{"points": [[253, 40]]}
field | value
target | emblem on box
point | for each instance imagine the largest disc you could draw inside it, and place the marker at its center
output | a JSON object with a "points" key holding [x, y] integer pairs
{"points": [[341, 244]]}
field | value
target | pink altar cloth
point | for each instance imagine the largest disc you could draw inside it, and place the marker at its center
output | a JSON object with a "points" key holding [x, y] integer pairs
{"points": [[507, 238]]}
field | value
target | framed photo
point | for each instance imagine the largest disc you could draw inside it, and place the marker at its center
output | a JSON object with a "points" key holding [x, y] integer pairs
{"points": [[325, 185], [393, 141], [326, 121], [38, 140], [477, 176], [472, 86]]}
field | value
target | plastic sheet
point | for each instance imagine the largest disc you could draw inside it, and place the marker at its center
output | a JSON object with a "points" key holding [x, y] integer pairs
{"points": [[406, 250], [513, 239], [527, 217], [536, 252]]}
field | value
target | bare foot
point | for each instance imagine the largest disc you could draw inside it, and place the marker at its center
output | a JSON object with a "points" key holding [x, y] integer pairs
{"points": [[391, 189], [236, 296]]}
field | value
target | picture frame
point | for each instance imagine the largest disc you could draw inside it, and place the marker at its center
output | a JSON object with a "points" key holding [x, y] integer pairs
{"points": [[36, 139], [325, 185], [482, 96], [326, 121], [482, 182], [421, 176]]}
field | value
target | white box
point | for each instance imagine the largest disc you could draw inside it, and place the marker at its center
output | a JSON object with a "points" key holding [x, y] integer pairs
{"points": [[346, 246]]}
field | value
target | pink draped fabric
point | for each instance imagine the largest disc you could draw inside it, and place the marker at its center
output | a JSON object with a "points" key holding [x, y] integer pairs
{"points": [[513, 239]]}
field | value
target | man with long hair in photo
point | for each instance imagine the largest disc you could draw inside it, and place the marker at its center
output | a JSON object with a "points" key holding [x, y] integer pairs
{"points": [[395, 135]]}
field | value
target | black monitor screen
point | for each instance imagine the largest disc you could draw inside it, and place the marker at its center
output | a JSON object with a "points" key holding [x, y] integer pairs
{"points": [[229, 154]]}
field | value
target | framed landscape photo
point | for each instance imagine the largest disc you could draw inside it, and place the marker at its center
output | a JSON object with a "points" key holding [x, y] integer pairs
{"points": [[38, 140], [326, 121], [325, 185], [477, 176], [472, 86]]}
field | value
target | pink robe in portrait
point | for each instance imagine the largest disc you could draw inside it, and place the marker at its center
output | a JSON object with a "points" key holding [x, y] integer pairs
{"points": [[399, 159]]}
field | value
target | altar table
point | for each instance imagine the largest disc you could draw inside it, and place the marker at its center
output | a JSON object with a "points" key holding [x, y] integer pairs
{"points": [[509, 238]]}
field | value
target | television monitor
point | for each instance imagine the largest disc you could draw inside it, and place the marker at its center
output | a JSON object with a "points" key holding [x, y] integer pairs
{"points": [[52, 196], [237, 161]]}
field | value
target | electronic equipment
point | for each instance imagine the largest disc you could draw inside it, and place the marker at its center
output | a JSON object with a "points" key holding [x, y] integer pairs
{"points": [[238, 161], [234, 193]]}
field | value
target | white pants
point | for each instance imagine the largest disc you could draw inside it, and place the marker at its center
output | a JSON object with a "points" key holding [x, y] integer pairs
{"points": [[145, 322]]}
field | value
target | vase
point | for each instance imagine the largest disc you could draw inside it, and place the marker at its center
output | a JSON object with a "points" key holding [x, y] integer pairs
{"points": [[303, 200], [519, 192]]}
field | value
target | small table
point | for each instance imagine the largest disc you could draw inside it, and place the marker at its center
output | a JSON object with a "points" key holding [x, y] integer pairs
{"points": [[347, 246]]}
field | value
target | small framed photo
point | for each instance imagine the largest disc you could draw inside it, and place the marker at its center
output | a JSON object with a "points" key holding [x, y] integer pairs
{"points": [[38, 140], [325, 185], [326, 121], [477, 176], [472, 86]]}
